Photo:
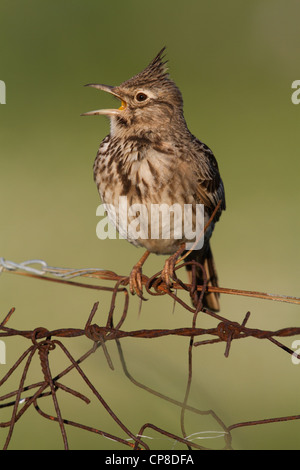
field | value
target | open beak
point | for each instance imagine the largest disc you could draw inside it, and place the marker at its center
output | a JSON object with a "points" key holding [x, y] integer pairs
{"points": [[106, 112]]}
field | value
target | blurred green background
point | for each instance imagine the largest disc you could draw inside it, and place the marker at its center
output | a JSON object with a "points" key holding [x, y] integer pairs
{"points": [[234, 62]]}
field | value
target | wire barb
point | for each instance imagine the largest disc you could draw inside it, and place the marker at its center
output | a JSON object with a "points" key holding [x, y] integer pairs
{"points": [[45, 344]]}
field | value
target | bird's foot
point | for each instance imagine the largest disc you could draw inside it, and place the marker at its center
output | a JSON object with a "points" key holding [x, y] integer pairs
{"points": [[136, 277], [135, 281], [168, 272]]}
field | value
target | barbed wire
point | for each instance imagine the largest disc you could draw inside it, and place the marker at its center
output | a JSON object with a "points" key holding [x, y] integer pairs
{"points": [[43, 343], [63, 274]]}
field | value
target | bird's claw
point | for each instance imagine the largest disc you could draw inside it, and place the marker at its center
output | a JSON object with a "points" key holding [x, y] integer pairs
{"points": [[135, 282], [168, 272]]}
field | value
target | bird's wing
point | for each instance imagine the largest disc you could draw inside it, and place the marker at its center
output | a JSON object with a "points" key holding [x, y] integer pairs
{"points": [[210, 186]]}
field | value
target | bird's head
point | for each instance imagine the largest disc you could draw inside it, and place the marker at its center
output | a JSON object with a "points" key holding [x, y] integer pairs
{"points": [[150, 101]]}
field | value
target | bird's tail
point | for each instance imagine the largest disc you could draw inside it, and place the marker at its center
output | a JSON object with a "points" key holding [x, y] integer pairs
{"points": [[210, 299]]}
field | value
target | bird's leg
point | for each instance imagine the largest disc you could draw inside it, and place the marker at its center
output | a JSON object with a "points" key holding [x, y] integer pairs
{"points": [[135, 278], [168, 270]]}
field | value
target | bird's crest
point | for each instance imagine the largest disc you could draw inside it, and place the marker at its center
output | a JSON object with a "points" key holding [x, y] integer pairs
{"points": [[156, 71]]}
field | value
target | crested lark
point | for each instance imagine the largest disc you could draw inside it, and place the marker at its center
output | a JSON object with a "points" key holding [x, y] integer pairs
{"points": [[150, 157]]}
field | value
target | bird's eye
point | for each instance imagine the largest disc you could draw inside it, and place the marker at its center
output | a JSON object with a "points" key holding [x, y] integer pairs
{"points": [[141, 97]]}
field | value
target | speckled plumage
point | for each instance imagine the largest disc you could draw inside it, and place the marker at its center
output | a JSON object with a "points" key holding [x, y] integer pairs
{"points": [[151, 157]]}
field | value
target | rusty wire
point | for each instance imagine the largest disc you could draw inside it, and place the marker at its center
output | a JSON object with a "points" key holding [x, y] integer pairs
{"points": [[43, 342]]}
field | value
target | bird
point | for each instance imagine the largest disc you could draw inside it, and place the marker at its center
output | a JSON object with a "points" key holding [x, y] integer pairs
{"points": [[150, 158]]}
